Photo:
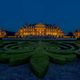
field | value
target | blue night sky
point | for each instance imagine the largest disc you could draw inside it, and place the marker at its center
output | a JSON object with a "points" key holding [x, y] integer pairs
{"points": [[15, 13]]}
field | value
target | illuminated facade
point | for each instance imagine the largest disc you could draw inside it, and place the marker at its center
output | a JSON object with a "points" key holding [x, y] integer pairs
{"points": [[77, 34], [40, 30], [2, 33]]}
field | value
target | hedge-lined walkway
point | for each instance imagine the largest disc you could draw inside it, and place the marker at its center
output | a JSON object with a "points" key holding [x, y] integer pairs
{"points": [[38, 53]]}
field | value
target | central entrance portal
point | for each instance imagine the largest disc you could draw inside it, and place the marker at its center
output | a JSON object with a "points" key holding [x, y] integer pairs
{"points": [[40, 29]]}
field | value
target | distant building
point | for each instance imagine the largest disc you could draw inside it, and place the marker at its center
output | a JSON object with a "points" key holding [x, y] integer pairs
{"points": [[77, 34], [40, 30], [2, 33], [10, 34]]}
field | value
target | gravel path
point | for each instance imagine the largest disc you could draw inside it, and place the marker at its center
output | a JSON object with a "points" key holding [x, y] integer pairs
{"points": [[70, 71]]}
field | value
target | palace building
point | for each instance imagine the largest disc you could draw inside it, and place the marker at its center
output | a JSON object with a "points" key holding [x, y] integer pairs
{"points": [[40, 30], [77, 34], [2, 33]]}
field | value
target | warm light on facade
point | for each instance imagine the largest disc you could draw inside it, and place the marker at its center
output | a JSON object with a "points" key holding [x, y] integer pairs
{"points": [[77, 34], [40, 30], [2, 33]]}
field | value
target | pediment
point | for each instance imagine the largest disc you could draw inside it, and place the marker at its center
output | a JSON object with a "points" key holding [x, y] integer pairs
{"points": [[39, 25]]}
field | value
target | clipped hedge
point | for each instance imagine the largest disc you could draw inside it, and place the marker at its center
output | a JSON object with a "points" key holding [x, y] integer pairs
{"points": [[4, 58], [39, 53], [19, 59], [39, 64], [62, 59]]}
